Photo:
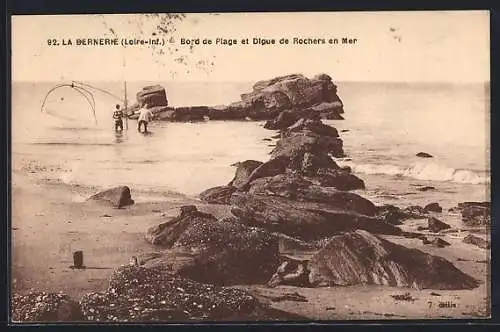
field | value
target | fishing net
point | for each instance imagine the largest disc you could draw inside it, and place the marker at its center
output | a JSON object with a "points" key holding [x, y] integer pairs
{"points": [[79, 102]]}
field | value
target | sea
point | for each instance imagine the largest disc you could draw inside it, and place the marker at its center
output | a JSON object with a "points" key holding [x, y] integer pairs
{"points": [[71, 139]]}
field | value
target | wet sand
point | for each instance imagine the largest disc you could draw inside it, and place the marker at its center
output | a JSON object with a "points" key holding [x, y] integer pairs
{"points": [[50, 221]]}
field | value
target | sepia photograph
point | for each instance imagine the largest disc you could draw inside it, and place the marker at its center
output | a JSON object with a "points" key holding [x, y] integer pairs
{"points": [[250, 167]]}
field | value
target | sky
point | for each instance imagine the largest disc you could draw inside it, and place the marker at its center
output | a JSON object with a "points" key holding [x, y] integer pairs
{"points": [[450, 46]]}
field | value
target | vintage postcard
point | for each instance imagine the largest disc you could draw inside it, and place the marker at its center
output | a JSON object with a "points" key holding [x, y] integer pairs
{"points": [[250, 167]]}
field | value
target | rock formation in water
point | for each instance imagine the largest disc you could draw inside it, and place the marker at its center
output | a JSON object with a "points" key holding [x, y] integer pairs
{"points": [[154, 95], [294, 94]]}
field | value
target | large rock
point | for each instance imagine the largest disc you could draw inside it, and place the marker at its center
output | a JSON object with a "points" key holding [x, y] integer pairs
{"points": [[117, 197], [139, 294], [243, 171], [218, 195], [302, 141], [436, 225], [298, 90], [154, 95], [314, 125], [284, 120], [230, 253], [433, 207], [218, 252], [45, 307], [298, 188], [476, 214], [167, 233], [477, 241], [303, 220], [363, 258]]}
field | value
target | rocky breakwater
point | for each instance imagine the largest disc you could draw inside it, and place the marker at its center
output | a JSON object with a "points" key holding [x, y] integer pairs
{"points": [[283, 99], [294, 94], [300, 191]]}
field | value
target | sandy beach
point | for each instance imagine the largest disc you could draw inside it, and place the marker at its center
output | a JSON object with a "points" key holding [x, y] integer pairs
{"points": [[50, 221]]}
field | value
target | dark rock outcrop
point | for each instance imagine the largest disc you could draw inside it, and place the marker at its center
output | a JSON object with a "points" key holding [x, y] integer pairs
{"points": [[363, 258], [433, 207], [117, 197], [424, 155], [477, 241], [303, 220], [476, 214], [139, 294], [299, 188], [243, 171], [435, 225], [293, 93], [305, 150], [213, 251], [218, 195], [167, 233], [395, 215]]}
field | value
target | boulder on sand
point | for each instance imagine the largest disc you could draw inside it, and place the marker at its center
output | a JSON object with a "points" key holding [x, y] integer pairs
{"points": [[476, 214], [433, 207], [423, 155], [435, 225], [218, 252], [139, 294], [477, 241], [117, 197], [154, 95], [303, 220], [363, 258]]}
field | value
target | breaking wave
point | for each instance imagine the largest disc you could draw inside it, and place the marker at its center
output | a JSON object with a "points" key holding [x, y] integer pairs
{"points": [[422, 171]]}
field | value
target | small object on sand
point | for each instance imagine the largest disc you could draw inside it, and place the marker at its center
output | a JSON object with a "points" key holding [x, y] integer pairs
{"points": [[78, 260], [133, 261], [330, 308], [435, 294], [403, 297], [426, 188], [106, 215]]}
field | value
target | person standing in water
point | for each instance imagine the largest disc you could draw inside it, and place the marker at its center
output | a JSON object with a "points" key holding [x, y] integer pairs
{"points": [[145, 116], [118, 117]]}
